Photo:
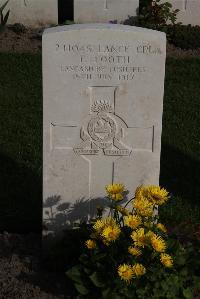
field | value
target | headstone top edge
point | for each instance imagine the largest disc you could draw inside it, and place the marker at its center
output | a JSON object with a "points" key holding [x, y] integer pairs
{"points": [[96, 26]]}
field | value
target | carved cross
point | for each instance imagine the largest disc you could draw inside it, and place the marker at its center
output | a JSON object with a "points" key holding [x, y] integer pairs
{"points": [[105, 4], [103, 139], [185, 2]]}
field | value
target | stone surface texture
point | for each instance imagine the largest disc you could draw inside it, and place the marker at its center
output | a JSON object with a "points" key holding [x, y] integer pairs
{"points": [[100, 11], [33, 13], [103, 91]]}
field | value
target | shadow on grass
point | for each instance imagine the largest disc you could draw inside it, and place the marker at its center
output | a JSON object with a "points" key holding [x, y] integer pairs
{"points": [[21, 197], [180, 174]]}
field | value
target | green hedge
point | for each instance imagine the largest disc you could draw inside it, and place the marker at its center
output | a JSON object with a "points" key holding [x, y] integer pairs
{"points": [[184, 36]]}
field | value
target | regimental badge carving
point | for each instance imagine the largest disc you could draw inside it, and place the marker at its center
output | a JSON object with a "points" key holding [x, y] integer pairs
{"points": [[102, 128], [103, 132]]}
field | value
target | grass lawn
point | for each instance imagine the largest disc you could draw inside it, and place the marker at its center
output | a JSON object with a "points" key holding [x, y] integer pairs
{"points": [[180, 157], [21, 140]]}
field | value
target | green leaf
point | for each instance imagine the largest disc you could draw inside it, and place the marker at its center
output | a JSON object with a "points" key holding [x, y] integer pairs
{"points": [[74, 274], [184, 272], [180, 260], [83, 258], [106, 293], [115, 296], [99, 257], [81, 289], [187, 293], [86, 270], [97, 280], [164, 285], [196, 282]]}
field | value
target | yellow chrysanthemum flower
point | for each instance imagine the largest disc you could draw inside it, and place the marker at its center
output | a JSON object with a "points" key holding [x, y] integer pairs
{"points": [[140, 192], [157, 195], [161, 227], [100, 224], [132, 221], [115, 188], [111, 233], [125, 271], [139, 237], [122, 210], [158, 243], [116, 197], [90, 244], [115, 191], [138, 270], [143, 207], [166, 260], [134, 251]]}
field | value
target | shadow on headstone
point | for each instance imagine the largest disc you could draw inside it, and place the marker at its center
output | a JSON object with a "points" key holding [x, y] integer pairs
{"points": [[60, 215], [63, 241]]}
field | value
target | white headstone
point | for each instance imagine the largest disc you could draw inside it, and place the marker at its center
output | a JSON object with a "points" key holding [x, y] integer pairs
{"points": [[33, 13], [103, 100], [100, 11]]}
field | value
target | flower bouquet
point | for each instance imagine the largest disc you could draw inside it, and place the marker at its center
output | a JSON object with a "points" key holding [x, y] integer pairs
{"points": [[127, 249]]}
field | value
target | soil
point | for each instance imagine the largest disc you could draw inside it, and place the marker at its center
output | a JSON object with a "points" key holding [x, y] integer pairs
{"points": [[172, 51], [28, 40], [21, 273]]}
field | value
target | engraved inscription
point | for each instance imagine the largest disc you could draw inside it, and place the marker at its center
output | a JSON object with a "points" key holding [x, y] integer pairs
{"points": [[148, 49], [89, 48], [117, 152], [89, 72], [81, 151], [106, 61]]}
